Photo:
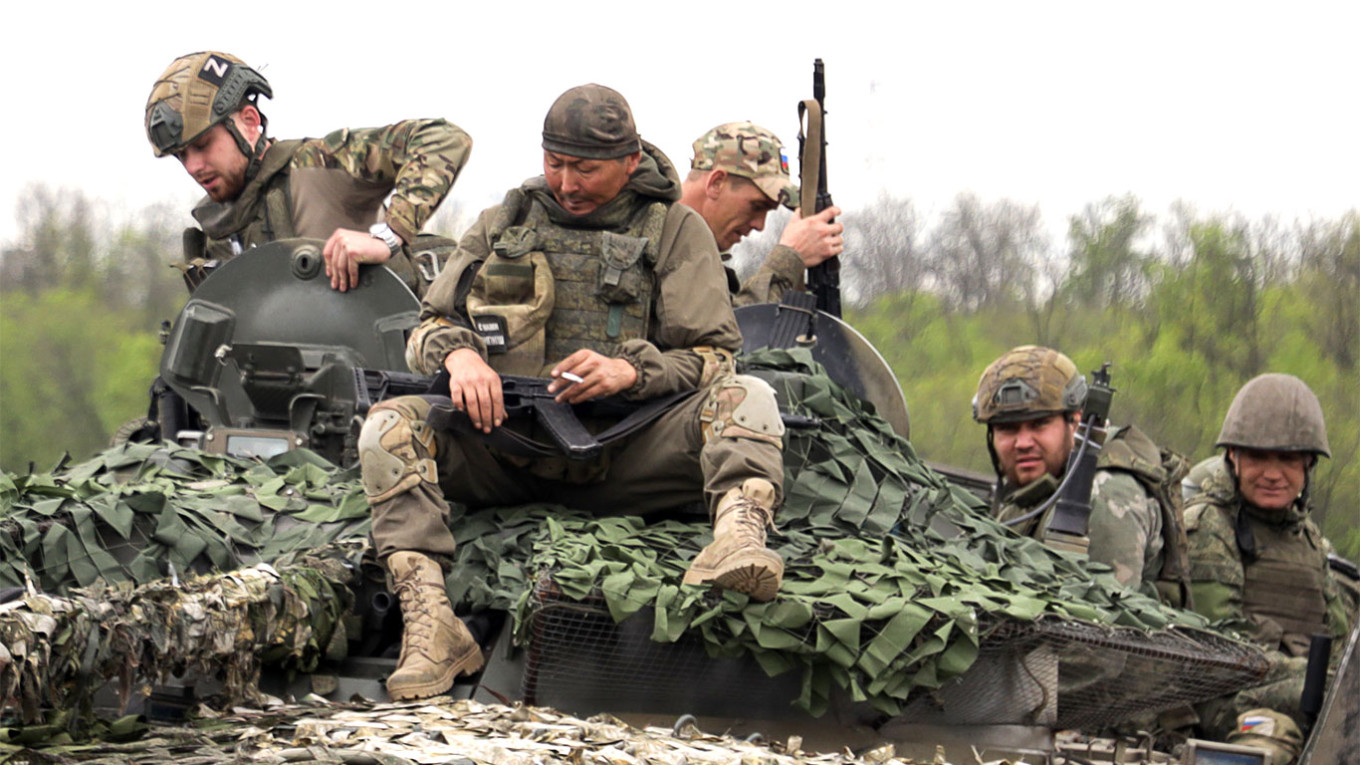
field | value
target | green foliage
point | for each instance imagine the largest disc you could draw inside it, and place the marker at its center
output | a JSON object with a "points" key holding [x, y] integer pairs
{"points": [[73, 371]]}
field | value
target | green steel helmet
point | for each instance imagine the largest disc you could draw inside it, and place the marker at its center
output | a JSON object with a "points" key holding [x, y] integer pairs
{"points": [[196, 92], [1026, 383], [1277, 413]]}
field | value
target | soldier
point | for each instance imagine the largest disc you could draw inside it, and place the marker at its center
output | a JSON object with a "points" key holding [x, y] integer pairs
{"points": [[1258, 560], [738, 175], [204, 111], [592, 275], [1031, 399]]}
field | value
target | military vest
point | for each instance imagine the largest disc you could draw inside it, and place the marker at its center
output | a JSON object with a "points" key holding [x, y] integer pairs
{"points": [[1159, 471], [1285, 576], [546, 291], [262, 212]]}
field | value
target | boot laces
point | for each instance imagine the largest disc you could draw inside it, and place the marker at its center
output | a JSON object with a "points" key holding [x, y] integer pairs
{"points": [[418, 620], [750, 520]]}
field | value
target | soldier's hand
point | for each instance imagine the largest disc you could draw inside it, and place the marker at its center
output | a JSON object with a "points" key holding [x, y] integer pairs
{"points": [[815, 238], [345, 250], [475, 388], [599, 376]]}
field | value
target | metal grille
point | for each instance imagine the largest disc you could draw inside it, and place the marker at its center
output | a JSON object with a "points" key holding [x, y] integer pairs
{"points": [[579, 660], [1052, 672], [1107, 675]]}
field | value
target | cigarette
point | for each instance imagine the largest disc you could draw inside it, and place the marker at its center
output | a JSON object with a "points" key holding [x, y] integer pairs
{"points": [[569, 377]]}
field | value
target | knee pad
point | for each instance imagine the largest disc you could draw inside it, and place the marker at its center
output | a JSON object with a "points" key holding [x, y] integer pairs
{"points": [[742, 406], [396, 448]]}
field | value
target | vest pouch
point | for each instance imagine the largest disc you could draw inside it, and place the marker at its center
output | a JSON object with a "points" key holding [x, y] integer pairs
{"points": [[517, 288], [621, 280]]}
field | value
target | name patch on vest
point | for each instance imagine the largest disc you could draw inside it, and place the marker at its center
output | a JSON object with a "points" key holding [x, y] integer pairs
{"points": [[492, 329]]}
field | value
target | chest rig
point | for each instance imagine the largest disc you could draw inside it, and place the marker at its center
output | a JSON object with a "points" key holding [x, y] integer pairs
{"points": [[261, 213], [1285, 570], [546, 291]]}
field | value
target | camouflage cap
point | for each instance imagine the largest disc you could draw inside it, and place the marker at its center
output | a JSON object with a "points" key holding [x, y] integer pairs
{"points": [[591, 122], [750, 151], [1027, 383], [194, 93]]}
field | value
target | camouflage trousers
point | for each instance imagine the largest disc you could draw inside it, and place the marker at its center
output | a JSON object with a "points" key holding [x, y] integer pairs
{"points": [[697, 450]]}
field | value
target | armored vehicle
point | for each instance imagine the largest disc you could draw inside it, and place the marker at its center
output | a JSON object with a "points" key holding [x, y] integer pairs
{"points": [[907, 616]]}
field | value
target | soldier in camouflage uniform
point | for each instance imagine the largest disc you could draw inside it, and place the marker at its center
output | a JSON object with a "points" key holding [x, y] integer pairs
{"points": [[1031, 399], [1258, 561], [204, 111], [738, 175], [592, 275]]}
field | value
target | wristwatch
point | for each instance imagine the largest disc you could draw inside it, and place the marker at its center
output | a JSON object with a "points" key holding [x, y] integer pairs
{"points": [[385, 233]]}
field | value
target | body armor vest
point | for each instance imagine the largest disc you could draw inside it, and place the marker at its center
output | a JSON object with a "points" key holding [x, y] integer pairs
{"points": [[1285, 580], [546, 291], [262, 213], [1159, 471]]}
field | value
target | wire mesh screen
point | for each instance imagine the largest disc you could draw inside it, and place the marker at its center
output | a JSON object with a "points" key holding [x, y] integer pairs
{"points": [[580, 660], [1054, 673], [1108, 675]]}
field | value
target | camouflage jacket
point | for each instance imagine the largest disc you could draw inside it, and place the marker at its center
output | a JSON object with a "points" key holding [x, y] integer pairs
{"points": [[690, 304], [311, 187], [1125, 524], [782, 271], [1219, 524]]}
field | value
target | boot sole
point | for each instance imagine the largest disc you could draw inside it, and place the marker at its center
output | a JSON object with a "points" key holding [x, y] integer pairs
{"points": [[464, 666], [759, 580]]}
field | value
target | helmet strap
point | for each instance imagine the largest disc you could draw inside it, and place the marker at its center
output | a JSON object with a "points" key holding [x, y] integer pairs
{"points": [[254, 153]]}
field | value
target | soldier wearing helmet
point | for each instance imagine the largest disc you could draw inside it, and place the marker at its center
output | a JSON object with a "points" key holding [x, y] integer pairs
{"points": [[204, 110], [1258, 560], [739, 173], [593, 275], [1031, 401]]}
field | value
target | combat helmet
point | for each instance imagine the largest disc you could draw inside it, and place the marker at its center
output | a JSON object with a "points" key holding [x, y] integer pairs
{"points": [[196, 92], [1278, 413], [1026, 383]]}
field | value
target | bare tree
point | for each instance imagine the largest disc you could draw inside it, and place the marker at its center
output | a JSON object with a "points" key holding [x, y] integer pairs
{"points": [[986, 255], [883, 252]]}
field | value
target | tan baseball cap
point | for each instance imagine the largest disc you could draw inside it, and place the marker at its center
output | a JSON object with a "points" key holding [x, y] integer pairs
{"points": [[749, 151]]}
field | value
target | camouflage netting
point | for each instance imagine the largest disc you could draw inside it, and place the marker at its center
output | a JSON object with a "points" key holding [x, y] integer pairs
{"points": [[894, 578], [435, 731], [55, 652]]}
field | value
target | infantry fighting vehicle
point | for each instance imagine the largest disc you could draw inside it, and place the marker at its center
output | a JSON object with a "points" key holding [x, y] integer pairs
{"points": [[907, 617]]}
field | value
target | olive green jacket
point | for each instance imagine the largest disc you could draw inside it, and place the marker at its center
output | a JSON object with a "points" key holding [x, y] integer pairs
{"points": [[691, 307]]}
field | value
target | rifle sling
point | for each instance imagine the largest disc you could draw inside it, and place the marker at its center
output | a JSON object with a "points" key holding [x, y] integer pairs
{"points": [[810, 164]]}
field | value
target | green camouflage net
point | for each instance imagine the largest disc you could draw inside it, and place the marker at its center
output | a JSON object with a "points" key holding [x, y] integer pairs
{"points": [[138, 512], [893, 580]]}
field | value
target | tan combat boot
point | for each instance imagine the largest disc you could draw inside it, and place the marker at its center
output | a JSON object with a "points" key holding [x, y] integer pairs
{"points": [[737, 559], [436, 646]]}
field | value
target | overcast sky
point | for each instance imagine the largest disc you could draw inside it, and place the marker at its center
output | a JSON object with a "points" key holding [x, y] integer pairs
{"points": [[1232, 106]]}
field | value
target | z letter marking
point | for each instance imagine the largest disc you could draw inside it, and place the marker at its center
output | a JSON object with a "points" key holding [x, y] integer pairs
{"points": [[214, 70]]}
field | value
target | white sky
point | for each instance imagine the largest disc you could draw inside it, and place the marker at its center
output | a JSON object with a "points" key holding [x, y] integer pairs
{"points": [[1249, 107]]}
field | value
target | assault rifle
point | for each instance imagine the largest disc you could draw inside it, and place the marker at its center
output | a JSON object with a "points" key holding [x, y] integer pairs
{"points": [[527, 400], [1067, 529], [824, 279]]}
